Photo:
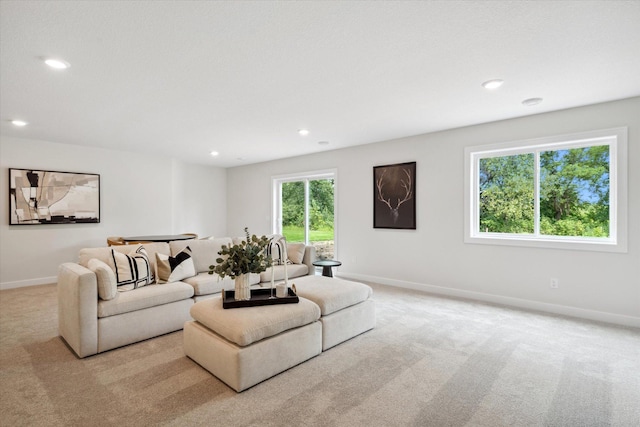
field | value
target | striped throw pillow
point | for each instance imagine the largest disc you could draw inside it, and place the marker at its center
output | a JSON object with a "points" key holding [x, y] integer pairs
{"points": [[133, 270]]}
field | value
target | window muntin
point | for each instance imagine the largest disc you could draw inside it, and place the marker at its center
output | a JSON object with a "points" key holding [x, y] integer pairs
{"points": [[565, 192]]}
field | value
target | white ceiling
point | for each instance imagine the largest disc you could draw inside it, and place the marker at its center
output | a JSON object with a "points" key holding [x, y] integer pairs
{"points": [[183, 78]]}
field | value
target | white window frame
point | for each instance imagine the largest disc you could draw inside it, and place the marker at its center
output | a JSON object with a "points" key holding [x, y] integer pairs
{"points": [[276, 200], [616, 138]]}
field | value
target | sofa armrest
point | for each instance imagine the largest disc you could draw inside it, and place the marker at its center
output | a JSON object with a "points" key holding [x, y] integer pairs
{"points": [[309, 258], [78, 308]]}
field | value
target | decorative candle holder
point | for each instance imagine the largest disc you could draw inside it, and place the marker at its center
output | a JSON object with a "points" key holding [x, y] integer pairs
{"points": [[282, 289]]}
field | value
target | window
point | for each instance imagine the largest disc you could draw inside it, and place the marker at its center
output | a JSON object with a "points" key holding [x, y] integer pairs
{"points": [[564, 192], [304, 210]]}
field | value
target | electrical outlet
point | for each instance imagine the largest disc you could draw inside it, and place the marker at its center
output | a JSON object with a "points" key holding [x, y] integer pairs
{"points": [[553, 283]]}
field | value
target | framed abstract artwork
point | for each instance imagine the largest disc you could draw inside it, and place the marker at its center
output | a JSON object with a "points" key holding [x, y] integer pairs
{"points": [[394, 196], [52, 197]]}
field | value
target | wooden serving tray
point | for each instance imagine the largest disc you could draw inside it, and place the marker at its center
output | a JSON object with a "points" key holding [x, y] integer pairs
{"points": [[258, 297]]}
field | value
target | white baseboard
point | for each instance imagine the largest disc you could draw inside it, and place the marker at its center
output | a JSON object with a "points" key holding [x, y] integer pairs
{"points": [[30, 282], [618, 319], [600, 316]]}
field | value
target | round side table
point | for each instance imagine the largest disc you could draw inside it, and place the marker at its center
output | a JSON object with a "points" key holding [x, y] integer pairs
{"points": [[326, 265]]}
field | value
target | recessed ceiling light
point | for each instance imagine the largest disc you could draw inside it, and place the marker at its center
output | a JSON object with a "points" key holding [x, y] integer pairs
{"points": [[531, 102], [58, 64], [323, 142], [19, 123], [303, 132], [492, 84], [214, 153]]}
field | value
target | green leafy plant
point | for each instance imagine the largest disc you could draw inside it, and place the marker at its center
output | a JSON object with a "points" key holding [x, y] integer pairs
{"points": [[250, 256]]}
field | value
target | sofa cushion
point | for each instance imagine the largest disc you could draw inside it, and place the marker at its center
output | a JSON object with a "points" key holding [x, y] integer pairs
{"points": [[295, 252], [248, 325], [132, 271], [173, 269], [205, 283], [332, 294], [106, 278], [293, 270], [102, 254], [204, 252], [146, 297]]}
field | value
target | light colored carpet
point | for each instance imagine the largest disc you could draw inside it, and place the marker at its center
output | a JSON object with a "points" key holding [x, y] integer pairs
{"points": [[431, 361]]}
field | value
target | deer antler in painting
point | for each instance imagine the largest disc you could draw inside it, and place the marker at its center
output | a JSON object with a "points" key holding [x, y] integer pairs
{"points": [[405, 184], [379, 184], [407, 187]]}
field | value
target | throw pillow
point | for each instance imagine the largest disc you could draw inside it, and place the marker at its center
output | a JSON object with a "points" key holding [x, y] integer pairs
{"points": [[295, 252], [173, 269], [107, 286], [132, 271]]}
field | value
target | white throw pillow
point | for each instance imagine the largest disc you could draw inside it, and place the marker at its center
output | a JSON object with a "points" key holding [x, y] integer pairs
{"points": [[132, 271], [107, 287]]}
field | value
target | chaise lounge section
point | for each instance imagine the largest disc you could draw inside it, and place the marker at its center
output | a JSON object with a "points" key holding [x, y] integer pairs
{"points": [[245, 346], [91, 325], [347, 307]]}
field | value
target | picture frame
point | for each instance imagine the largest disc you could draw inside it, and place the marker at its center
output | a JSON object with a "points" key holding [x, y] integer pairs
{"points": [[394, 196], [39, 197]]}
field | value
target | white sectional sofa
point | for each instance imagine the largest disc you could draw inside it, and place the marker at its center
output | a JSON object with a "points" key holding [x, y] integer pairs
{"points": [[94, 316]]}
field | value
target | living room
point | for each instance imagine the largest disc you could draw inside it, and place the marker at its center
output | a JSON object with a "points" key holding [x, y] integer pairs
{"points": [[151, 192]]}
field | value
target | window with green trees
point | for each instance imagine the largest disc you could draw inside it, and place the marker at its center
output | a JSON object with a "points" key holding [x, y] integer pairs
{"points": [[320, 210], [305, 210], [561, 189], [506, 193]]}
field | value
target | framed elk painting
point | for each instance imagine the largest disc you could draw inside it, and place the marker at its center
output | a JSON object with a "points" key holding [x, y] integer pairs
{"points": [[394, 196], [51, 197]]}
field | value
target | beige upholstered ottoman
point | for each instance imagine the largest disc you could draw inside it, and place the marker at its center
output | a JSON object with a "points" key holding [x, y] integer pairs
{"points": [[346, 307], [244, 346]]}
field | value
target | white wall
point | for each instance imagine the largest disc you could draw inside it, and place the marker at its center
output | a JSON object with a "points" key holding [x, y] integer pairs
{"points": [[139, 194], [199, 199], [143, 194], [602, 286]]}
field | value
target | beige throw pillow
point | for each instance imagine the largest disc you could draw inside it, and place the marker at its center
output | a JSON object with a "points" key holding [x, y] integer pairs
{"points": [[295, 252], [173, 269], [107, 287]]}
